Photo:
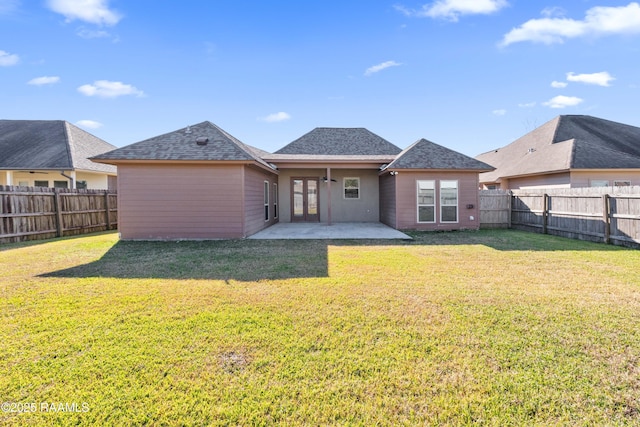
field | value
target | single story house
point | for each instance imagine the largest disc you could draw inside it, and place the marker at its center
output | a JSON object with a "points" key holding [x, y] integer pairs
{"points": [[200, 182], [566, 152], [52, 153]]}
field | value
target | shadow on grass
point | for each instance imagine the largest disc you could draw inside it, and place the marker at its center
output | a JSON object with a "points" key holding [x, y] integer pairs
{"points": [[243, 260], [251, 260]]}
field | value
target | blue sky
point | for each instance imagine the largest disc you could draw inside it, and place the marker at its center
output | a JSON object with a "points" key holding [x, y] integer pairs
{"points": [[472, 75]]}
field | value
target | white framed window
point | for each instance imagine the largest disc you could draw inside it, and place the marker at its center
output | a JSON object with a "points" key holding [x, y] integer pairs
{"points": [[351, 187], [275, 200], [40, 183], [448, 201], [266, 200], [426, 197], [599, 183], [621, 183]]}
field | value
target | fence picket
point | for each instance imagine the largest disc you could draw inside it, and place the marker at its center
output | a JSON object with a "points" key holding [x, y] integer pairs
{"points": [[609, 214], [30, 213]]}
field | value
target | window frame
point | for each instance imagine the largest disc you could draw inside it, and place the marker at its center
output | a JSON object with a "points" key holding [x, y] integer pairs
{"points": [[344, 187], [266, 200], [418, 204], [444, 205], [275, 200]]}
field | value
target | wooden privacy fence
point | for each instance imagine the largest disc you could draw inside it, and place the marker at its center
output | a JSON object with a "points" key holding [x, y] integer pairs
{"points": [[495, 209], [607, 214], [30, 213]]}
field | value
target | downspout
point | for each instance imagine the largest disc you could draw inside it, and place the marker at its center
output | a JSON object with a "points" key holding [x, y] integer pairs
{"points": [[71, 180]]}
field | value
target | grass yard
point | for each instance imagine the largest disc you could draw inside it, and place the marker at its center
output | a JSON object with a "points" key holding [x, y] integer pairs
{"points": [[489, 328]]}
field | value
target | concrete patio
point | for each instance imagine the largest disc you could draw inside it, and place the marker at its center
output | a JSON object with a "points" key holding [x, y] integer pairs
{"points": [[346, 230]]}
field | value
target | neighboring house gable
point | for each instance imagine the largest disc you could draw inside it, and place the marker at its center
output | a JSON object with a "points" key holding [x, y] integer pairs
{"points": [[568, 151], [37, 148]]}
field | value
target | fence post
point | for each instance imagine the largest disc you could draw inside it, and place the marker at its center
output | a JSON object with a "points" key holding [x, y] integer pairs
{"points": [[58, 208], [107, 208], [510, 197], [606, 217], [545, 212]]}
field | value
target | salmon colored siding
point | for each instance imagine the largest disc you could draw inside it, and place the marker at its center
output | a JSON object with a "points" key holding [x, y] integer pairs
{"points": [[388, 200], [180, 201], [406, 200], [254, 200]]}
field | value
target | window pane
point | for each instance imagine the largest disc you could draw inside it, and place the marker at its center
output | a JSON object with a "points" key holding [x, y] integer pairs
{"points": [[298, 201], [426, 214], [426, 201], [448, 201], [312, 197], [352, 188], [449, 214]]}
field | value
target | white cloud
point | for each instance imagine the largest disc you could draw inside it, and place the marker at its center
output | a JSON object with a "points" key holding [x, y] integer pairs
{"points": [[598, 21], [92, 34], [377, 68], [601, 79], [7, 59], [527, 105], [92, 11], [500, 112], [562, 101], [559, 85], [452, 9], [275, 117], [44, 80], [107, 89], [89, 124]]}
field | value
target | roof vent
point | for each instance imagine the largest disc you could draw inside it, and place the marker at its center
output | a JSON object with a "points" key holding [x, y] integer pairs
{"points": [[202, 140], [531, 150], [188, 130]]}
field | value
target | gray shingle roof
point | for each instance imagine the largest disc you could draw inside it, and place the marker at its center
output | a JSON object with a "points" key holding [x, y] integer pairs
{"points": [[182, 145], [49, 144], [567, 142], [339, 142], [424, 154]]}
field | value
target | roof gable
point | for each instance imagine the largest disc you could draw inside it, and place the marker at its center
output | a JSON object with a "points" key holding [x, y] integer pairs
{"points": [[567, 142], [182, 144], [424, 154], [340, 142], [49, 144]]}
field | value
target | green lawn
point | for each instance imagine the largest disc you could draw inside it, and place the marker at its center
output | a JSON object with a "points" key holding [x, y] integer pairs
{"points": [[490, 328]]}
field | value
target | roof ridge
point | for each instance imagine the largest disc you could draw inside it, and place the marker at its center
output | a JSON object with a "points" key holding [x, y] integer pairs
{"points": [[248, 149], [68, 143]]}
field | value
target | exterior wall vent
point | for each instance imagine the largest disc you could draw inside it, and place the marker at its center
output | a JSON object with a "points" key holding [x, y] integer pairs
{"points": [[202, 140]]}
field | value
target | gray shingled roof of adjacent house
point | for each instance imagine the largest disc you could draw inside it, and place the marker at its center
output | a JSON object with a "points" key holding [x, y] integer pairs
{"points": [[183, 145], [49, 145], [340, 142], [564, 143], [424, 154]]}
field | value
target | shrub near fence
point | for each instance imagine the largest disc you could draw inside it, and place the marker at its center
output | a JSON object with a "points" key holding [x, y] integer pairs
{"points": [[30, 213]]}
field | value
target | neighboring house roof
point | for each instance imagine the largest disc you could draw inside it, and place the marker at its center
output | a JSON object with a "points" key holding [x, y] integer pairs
{"points": [[340, 142], [49, 145], [182, 144], [564, 143], [424, 154]]}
